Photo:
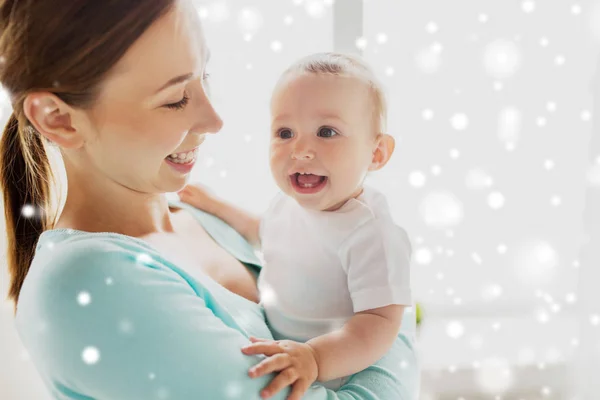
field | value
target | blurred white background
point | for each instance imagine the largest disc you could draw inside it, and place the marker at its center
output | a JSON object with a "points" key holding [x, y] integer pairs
{"points": [[490, 102]]}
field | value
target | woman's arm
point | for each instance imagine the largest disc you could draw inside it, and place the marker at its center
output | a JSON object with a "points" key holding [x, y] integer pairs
{"points": [[149, 334]]}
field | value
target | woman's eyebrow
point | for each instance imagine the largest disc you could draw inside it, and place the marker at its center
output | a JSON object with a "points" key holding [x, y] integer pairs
{"points": [[182, 78], [175, 81]]}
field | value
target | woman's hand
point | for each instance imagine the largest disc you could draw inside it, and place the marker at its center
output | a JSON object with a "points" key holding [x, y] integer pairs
{"points": [[198, 196], [296, 361]]}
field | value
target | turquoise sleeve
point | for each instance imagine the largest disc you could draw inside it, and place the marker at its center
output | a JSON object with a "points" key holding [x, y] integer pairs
{"points": [[115, 328]]}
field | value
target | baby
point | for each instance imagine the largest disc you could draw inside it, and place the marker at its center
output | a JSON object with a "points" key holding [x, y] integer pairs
{"points": [[337, 269]]}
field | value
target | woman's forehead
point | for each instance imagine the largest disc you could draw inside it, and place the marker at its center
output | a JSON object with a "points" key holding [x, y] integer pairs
{"points": [[174, 45]]}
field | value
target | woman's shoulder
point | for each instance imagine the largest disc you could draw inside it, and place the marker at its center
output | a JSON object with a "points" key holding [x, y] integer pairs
{"points": [[74, 269]]}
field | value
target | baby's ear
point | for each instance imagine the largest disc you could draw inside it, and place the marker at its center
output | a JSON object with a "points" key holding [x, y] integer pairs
{"points": [[385, 145]]}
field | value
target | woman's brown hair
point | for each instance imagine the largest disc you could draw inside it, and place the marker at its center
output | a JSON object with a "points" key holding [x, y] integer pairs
{"points": [[65, 48]]}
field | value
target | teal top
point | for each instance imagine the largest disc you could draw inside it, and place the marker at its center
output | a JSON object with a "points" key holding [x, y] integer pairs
{"points": [[105, 316]]}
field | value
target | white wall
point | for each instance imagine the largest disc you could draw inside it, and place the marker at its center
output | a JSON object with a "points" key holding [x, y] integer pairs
{"points": [[491, 107]]}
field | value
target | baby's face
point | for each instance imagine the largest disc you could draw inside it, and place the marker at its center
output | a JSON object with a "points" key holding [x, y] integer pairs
{"points": [[322, 138]]}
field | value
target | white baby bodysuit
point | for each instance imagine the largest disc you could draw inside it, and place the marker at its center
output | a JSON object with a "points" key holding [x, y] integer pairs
{"points": [[322, 267]]}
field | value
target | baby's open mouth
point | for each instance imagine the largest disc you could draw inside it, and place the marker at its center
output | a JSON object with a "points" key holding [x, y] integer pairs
{"points": [[307, 183]]}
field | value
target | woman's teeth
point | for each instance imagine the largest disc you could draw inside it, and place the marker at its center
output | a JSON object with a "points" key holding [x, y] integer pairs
{"points": [[182, 158]]}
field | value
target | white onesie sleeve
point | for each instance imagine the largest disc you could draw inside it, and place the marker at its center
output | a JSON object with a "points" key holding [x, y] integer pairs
{"points": [[376, 258]]}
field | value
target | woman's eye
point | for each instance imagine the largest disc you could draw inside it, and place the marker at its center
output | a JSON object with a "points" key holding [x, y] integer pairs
{"points": [[327, 132], [180, 104], [285, 134]]}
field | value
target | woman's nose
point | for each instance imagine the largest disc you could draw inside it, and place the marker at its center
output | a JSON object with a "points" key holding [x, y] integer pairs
{"points": [[208, 120]]}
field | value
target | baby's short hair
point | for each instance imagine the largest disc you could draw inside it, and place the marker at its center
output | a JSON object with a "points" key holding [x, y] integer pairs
{"points": [[342, 64]]}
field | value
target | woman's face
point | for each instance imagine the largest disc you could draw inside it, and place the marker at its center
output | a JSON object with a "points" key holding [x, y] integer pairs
{"points": [[152, 104]]}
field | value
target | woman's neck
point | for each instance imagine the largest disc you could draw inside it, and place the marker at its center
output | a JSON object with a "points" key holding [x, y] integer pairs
{"points": [[93, 207]]}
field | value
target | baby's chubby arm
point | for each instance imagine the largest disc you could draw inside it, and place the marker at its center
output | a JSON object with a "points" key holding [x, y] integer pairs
{"points": [[241, 220], [361, 342]]}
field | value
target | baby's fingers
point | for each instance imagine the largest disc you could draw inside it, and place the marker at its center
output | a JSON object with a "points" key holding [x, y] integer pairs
{"points": [[266, 348], [271, 364], [285, 378], [298, 389]]}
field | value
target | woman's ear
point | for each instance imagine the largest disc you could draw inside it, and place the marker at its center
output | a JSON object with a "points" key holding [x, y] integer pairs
{"points": [[383, 151], [52, 118]]}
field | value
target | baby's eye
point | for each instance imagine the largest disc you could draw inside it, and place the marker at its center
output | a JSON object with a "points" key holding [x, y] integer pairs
{"points": [[285, 134], [327, 132]]}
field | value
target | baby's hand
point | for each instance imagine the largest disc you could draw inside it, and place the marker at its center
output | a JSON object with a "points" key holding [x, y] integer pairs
{"points": [[296, 361], [197, 195]]}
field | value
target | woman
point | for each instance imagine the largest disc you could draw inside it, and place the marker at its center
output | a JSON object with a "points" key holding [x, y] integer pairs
{"points": [[125, 295]]}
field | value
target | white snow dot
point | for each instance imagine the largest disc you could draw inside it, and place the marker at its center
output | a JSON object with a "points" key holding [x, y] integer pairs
{"points": [[544, 42], [403, 364], [477, 179], [501, 58], [382, 38], [549, 164], [441, 210], [586, 115], [361, 43], [595, 319], [498, 86], [431, 27], [247, 138], [542, 317], [559, 60], [276, 46], [476, 258], [454, 153], [250, 20], [109, 281], [496, 200], [417, 179], [28, 211], [439, 276], [144, 258], [483, 18], [209, 162], [528, 6], [436, 170], [248, 67], [540, 121], [288, 20], [546, 391], [151, 376], [491, 292], [247, 37], [315, 8], [389, 71], [423, 256], [233, 390], [126, 327], [84, 298], [90, 355], [163, 393], [428, 60], [459, 121], [223, 174], [50, 245], [555, 201], [427, 114], [268, 296], [455, 329], [501, 248], [571, 298], [576, 9], [551, 106]]}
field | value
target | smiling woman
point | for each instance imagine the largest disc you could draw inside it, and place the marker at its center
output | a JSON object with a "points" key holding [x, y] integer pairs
{"points": [[127, 295]]}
